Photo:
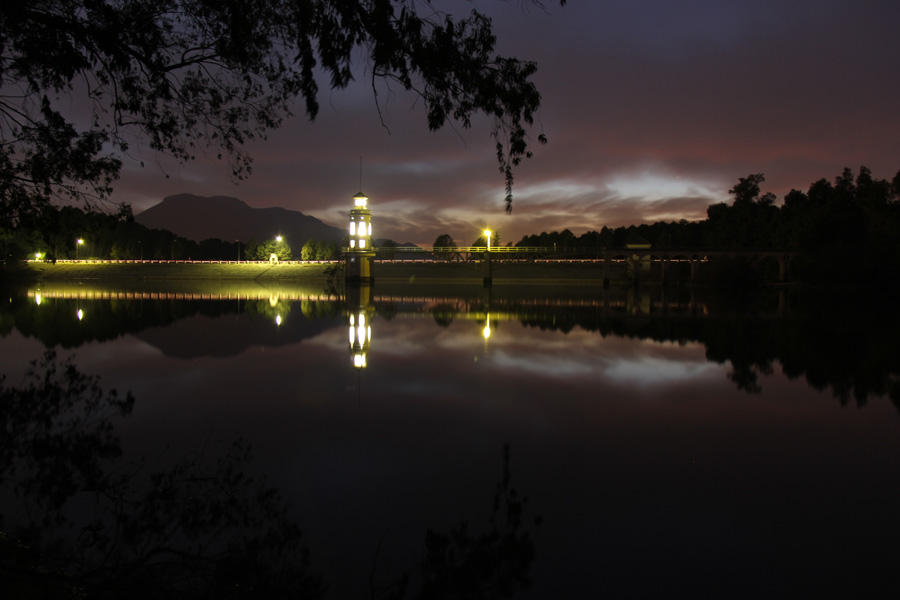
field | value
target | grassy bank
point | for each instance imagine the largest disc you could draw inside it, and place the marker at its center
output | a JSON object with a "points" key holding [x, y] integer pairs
{"points": [[175, 271]]}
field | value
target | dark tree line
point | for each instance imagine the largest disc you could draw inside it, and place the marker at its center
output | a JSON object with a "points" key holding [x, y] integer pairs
{"points": [[54, 233], [315, 249], [847, 230]]}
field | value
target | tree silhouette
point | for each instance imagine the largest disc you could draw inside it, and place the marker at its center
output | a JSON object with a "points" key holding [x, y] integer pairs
{"points": [[445, 240], [190, 76]]}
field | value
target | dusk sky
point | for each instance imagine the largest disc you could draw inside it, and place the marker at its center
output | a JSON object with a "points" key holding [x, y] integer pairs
{"points": [[653, 110]]}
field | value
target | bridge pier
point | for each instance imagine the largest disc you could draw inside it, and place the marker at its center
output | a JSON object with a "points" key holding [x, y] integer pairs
{"points": [[487, 272], [606, 269], [358, 268]]}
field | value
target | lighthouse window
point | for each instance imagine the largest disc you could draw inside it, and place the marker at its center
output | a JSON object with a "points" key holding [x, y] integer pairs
{"points": [[352, 227]]}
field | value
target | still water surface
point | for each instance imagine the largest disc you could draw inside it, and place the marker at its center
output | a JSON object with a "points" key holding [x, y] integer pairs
{"points": [[667, 444]]}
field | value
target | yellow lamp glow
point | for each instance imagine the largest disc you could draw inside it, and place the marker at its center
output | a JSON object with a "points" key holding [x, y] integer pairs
{"points": [[487, 235]]}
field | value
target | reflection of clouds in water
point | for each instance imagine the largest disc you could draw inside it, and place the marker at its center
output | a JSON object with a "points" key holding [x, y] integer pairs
{"points": [[656, 371], [639, 368], [545, 364], [514, 349], [410, 337]]}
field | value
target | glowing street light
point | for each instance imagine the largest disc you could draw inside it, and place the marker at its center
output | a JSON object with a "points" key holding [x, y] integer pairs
{"points": [[37, 256], [487, 235], [78, 243], [278, 238]]}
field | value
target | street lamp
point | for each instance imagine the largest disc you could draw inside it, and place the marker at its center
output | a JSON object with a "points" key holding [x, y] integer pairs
{"points": [[487, 235], [78, 243]]}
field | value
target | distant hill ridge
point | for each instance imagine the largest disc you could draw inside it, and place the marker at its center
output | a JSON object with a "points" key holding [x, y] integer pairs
{"points": [[229, 219]]}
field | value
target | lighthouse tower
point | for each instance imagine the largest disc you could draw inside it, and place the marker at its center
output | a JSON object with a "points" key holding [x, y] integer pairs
{"points": [[360, 254]]}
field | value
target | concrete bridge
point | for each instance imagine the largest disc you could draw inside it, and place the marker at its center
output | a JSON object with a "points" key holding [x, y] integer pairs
{"points": [[641, 262]]}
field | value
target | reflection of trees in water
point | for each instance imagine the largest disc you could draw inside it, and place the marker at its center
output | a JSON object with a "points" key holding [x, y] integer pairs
{"points": [[79, 521], [494, 563], [836, 343], [444, 313], [267, 309], [55, 321], [85, 524]]}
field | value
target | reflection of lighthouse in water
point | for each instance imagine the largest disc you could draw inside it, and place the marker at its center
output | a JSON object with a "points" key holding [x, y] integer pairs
{"points": [[361, 311]]}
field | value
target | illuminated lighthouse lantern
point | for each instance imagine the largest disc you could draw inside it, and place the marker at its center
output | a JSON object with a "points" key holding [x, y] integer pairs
{"points": [[360, 254], [360, 224]]}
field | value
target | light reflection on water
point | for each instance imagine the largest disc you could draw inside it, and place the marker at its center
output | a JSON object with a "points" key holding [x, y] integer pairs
{"points": [[631, 427]]}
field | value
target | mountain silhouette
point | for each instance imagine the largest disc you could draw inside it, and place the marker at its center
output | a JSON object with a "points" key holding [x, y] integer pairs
{"points": [[199, 218]]}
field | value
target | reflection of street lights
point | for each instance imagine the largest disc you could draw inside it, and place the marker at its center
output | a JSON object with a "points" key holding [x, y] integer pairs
{"points": [[78, 243], [487, 235]]}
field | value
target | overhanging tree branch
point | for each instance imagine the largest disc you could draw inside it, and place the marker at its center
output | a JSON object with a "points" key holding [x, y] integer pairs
{"points": [[187, 73]]}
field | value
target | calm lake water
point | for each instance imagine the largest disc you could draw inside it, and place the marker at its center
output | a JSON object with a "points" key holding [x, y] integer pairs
{"points": [[668, 442]]}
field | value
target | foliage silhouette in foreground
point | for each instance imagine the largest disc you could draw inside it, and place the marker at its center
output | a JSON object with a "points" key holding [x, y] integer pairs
{"points": [[85, 523], [82, 81]]}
